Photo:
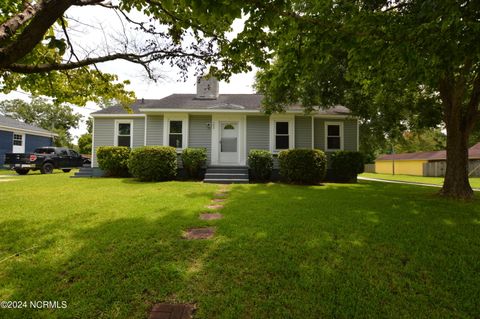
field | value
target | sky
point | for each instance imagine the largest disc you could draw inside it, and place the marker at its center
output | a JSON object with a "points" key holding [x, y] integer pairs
{"points": [[95, 24]]}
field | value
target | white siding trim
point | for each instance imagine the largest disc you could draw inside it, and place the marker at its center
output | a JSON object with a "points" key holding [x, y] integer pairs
{"points": [[313, 132], [27, 131], [166, 128], [290, 118], [358, 135], [94, 154], [342, 135], [115, 135], [145, 132]]}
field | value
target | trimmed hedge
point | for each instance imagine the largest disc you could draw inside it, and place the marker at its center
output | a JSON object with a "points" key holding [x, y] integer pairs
{"points": [[346, 165], [153, 163], [113, 160], [304, 166], [261, 164], [194, 160]]}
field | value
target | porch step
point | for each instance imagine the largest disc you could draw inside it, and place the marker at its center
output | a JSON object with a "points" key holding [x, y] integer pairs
{"points": [[83, 172], [227, 175]]}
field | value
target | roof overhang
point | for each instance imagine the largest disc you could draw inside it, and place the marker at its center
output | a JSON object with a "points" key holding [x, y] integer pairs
{"points": [[105, 115], [27, 131]]}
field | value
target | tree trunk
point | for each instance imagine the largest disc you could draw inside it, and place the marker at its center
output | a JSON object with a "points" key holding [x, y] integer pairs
{"points": [[456, 184]]}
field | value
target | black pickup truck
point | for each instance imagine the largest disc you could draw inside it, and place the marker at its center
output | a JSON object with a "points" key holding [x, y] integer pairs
{"points": [[45, 159]]}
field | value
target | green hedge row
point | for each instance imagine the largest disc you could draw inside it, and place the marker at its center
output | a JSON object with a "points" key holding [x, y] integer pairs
{"points": [[150, 163]]}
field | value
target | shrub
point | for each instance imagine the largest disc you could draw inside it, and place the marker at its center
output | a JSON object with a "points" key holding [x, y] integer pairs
{"points": [[303, 165], [153, 163], [346, 165], [261, 164], [194, 160], [113, 160]]}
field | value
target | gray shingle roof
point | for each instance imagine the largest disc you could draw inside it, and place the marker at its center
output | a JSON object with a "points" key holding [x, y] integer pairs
{"points": [[15, 124], [238, 102]]}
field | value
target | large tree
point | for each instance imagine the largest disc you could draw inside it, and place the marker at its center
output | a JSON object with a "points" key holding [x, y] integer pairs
{"points": [[40, 54], [390, 61]]}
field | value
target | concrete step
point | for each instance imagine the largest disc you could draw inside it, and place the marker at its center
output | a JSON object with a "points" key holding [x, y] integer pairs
{"points": [[226, 181], [226, 176]]}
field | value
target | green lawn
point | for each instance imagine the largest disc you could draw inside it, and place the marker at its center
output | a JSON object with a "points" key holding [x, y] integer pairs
{"points": [[113, 247], [474, 181]]}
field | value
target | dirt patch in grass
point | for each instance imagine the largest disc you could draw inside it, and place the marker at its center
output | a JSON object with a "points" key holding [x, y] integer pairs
{"points": [[208, 216], [171, 311], [200, 233]]}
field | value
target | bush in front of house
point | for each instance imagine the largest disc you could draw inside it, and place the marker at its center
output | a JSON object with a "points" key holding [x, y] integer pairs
{"points": [[346, 165], [153, 163], [260, 163], [113, 160], [194, 160], [303, 166]]}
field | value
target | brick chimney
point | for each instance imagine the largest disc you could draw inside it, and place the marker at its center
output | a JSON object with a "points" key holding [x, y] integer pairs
{"points": [[207, 88]]}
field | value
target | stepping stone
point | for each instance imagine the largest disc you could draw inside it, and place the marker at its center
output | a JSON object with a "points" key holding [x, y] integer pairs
{"points": [[171, 311], [218, 200], [207, 216], [221, 195], [200, 233], [215, 206]]}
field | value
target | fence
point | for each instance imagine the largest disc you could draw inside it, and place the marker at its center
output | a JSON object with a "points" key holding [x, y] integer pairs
{"points": [[438, 168], [369, 168]]}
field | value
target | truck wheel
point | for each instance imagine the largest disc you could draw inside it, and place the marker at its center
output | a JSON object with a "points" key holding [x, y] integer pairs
{"points": [[22, 171], [66, 170], [47, 168]]}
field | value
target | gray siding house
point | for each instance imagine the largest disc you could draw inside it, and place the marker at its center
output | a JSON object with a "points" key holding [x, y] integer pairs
{"points": [[19, 137], [227, 125]]}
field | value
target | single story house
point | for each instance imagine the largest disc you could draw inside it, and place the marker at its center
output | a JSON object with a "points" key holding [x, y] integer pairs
{"points": [[19, 137], [227, 125], [424, 163]]}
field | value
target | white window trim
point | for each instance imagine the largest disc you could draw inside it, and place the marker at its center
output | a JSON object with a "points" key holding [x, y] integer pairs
{"points": [[22, 140], [167, 118], [341, 136], [290, 118], [117, 122]]}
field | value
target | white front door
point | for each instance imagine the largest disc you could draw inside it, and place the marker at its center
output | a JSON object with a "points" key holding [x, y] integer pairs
{"points": [[18, 143], [228, 143]]}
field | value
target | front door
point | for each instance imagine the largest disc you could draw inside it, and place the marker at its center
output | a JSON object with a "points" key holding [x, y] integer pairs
{"points": [[228, 143], [18, 143]]}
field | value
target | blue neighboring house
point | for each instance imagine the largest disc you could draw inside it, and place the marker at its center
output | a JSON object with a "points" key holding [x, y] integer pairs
{"points": [[18, 137]]}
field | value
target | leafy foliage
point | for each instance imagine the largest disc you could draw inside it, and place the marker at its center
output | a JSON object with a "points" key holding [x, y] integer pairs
{"points": [[113, 160], [194, 160], [346, 165], [85, 144], [153, 163], [303, 166], [261, 164]]}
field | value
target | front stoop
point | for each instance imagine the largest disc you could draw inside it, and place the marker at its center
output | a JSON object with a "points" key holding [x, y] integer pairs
{"points": [[227, 175], [85, 171]]}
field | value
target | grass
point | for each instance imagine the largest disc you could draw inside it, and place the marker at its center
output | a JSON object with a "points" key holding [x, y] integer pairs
{"points": [[474, 181], [113, 247]]}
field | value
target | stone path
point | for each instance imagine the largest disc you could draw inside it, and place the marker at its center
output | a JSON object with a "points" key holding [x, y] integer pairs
{"points": [[171, 311], [185, 311]]}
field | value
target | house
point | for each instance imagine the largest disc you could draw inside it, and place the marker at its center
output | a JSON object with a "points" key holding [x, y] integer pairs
{"points": [[19, 137], [424, 163], [228, 125]]}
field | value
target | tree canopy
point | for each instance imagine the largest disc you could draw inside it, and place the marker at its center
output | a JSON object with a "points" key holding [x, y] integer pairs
{"points": [[395, 63], [38, 53]]}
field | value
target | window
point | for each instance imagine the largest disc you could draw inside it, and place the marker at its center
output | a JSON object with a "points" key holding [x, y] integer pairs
{"points": [[124, 134], [175, 136], [334, 136], [282, 137], [17, 139]]}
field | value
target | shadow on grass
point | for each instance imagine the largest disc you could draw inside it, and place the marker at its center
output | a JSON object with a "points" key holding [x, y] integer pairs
{"points": [[281, 251]]}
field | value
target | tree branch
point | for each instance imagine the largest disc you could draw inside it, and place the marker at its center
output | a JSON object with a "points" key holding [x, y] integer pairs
{"points": [[135, 58], [34, 32], [9, 27]]}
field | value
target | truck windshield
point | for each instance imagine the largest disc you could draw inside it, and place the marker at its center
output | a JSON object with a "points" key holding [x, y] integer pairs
{"points": [[44, 151]]}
